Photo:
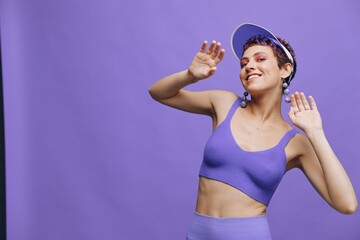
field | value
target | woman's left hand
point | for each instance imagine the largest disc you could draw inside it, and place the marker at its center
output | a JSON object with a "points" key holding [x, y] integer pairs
{"points": [[302, 115]]}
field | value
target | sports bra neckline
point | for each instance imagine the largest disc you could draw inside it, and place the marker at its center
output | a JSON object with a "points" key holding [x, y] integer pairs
{"points": [[255, 173], [230, 116]]}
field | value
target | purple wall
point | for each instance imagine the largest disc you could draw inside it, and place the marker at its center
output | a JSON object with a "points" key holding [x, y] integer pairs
{"points": [[91, 156]]}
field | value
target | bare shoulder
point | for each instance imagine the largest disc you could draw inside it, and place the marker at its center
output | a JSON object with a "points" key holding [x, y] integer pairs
{"points": [[222, 98], [300, 142], [222, 102]]}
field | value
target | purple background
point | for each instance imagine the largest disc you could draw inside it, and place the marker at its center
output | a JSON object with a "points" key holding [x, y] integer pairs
{"points": [[89, 155]]}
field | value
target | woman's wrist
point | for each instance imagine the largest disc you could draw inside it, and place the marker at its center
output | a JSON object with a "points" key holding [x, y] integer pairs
{"points": [[190, 77], [314, 132]]}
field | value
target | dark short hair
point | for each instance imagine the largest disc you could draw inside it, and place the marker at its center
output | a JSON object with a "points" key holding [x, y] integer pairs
{"points": [[279, 53]]}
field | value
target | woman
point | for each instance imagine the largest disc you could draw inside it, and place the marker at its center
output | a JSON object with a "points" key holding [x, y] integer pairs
{"points": [[252, 145]]}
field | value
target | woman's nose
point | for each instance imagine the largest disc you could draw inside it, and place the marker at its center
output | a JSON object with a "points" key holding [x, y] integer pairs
{"points": [[250, 65]]}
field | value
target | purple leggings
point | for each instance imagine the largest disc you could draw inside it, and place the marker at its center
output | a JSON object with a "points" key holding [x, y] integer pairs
{"points": [[240, 228]]}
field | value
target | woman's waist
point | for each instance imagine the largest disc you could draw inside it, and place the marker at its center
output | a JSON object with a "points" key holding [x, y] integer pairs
{"points": [[221, 210], [221, 200]]}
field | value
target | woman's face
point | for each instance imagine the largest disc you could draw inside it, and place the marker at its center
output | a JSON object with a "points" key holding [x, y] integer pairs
{"points": [[259, 69]]}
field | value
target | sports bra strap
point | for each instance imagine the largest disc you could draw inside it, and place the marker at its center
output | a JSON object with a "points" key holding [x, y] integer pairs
{"points": [[286, 138], [233, 108]]}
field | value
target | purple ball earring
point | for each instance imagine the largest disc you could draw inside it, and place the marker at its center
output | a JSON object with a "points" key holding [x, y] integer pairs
{"points": [[244, 101], [286, 92]]}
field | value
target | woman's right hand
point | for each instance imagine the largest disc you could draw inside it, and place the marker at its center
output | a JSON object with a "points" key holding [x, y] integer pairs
{"points": [[205, 61]]}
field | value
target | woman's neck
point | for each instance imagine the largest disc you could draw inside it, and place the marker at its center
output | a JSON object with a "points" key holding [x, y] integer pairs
{"points": [[265, 108]]}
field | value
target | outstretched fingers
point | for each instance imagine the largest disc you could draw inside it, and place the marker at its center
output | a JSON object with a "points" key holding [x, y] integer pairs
{"points": [[215, 51], [220, 57], [211, 48], [203, 46], [294, 108], [313, 103], [304, 101], [299, 101], [303, 112]]}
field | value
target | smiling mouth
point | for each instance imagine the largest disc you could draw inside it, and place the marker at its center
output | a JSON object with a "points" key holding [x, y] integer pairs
{"points": [[253, 76]]}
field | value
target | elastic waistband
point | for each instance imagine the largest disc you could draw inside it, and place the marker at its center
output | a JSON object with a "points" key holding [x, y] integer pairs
{"points": [[250, 219]]}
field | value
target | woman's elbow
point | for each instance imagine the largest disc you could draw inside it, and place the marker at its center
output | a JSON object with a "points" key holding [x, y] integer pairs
{"points": [[153, 94], [348, 208], [351, 209]]}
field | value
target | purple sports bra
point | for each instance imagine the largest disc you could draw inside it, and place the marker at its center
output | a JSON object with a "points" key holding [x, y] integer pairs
{"points": [[256, 174]]}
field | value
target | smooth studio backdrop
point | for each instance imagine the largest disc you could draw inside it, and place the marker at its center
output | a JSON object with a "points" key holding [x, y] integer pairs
{"points": [[89, 154]]}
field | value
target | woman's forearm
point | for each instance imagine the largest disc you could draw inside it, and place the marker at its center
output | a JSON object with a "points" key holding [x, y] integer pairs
{"points": [[340, 189], [202, 66], [170, 85]]}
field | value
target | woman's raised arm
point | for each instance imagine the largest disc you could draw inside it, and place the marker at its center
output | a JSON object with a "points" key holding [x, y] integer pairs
{"points": [[318, 161], [168, 90]]}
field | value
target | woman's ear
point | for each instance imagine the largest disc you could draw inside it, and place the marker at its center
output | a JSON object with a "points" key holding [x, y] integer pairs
{"points": [[287, 70]]}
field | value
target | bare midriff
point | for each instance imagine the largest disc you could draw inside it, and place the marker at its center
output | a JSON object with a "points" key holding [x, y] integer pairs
{"points": [[219, 199]]}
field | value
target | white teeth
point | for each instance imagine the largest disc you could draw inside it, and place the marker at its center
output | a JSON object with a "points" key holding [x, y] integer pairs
{"points": [[253, 76]]}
